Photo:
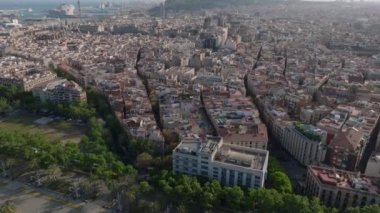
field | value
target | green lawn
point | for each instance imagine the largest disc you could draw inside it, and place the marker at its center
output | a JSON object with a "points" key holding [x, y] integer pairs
{"points": [[62, 130]]}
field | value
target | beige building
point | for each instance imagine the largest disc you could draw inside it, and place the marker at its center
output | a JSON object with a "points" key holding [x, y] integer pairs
{"points": [[237, 120], [311, 115], [252, 137], [341, 189], [229, 164], [24, 74]]}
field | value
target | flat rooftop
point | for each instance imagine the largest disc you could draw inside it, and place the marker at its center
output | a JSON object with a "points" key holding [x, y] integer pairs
{"points": [[196, 145], [242, 156], [346, 180]]}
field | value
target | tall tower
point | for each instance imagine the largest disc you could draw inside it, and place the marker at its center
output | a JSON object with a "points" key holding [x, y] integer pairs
{"points": [[79, 10], [163, 10]]}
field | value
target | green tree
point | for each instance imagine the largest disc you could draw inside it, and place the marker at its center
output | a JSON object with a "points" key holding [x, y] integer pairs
{"points": [[181, 209], [8, 207], [277, 179], [3, 105], [291, 200], [365, 209], [145, 188], [265, 200], [143, 160], [149, 207], [211, 194], [138, 146], [315, 206], [233, 196], [280, 181]]}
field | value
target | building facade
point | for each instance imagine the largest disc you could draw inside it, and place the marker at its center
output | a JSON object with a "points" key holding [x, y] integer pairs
{"points": [[229, 164], [373, 166], [61, 91], [341, 189], [305, 143]]}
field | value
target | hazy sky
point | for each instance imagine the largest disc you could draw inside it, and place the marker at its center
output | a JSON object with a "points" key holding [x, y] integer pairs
{"points": [[71, 1], [30, 1]]}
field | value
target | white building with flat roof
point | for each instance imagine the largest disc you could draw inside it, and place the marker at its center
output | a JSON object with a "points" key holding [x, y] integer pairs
{"points": [[229, 164]]}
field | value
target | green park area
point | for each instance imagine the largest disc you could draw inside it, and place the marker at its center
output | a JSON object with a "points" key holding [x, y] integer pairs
{"points": [[53, 128]]}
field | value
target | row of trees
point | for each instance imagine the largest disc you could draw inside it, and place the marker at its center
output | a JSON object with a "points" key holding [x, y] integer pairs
{"points": [[91, 155], [277, 178], [190, 191], [13, 97], [199, 195]]}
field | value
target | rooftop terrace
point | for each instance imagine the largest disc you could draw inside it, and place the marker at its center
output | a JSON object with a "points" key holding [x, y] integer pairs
{"points": [[241, 156]]}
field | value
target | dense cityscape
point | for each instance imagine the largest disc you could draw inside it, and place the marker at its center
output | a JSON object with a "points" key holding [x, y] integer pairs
{"points": [[166, 107]]}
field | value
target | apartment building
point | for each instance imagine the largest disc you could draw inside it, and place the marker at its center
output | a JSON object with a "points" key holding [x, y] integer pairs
{"points": [[311, 115], [229, 164], [61, 91], [237, 120], [24, 74], [341, 189], [346, 149], [305, 143]]}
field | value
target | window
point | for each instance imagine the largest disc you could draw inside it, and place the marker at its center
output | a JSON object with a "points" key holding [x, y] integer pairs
{"points": [[323, 195], [240, 179], [373, 201], [364, 201], [232, 177], [204, 162], [354, 201], [224, 176], [248, 180], [216, 170]]}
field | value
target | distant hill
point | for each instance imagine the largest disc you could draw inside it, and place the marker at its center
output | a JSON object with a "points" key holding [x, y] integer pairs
{"points": [[207, 4]]}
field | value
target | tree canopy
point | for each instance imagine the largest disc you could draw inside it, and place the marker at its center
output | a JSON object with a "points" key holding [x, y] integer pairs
{"points": [[91, 155], [277, 179]]}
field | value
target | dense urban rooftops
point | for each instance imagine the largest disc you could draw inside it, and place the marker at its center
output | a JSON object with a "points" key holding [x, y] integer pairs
{"points": [[346, 180]]}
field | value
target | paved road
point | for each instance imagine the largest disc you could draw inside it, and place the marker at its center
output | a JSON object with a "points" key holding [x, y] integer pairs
{"points": [[293, 169], [31, 199]]}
